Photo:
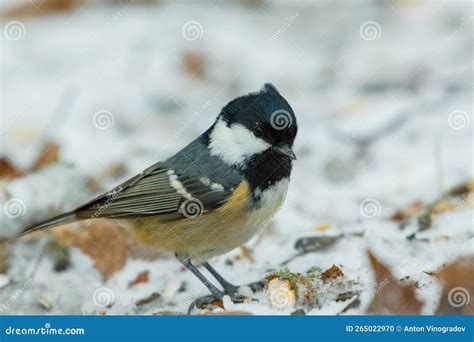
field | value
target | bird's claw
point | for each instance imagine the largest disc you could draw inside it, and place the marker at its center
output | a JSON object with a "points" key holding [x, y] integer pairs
{"points": [[255, 287], [216, 300]]}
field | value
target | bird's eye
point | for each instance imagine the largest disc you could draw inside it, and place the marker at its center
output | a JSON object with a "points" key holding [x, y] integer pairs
{"points": [[258, 131]]}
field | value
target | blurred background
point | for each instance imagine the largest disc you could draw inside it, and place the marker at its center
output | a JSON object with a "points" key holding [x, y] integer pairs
{"points": [[93, 92]]}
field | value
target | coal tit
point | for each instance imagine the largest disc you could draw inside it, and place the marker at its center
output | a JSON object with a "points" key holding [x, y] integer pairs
{"points": [[213, 195]]}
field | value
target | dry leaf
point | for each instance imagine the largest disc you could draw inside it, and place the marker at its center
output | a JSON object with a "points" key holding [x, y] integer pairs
{"points": [[4, 245], [462, 189], [389, 296], [322, 227], [49, 155], [141, 278], [442, 206], [412, 210], [107, 244], [457, 296], [215, 303], [332, 273], [194, 63], [8, 170], [40, 8]]}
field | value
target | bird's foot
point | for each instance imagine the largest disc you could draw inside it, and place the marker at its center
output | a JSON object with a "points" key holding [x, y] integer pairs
{"points": [[216, 300], [254, 286]]}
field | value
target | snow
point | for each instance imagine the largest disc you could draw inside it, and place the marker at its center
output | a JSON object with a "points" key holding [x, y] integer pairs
{"points": [[107, 83]]}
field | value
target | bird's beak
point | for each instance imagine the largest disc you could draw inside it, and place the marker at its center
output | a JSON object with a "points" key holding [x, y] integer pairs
{"points": [[286, 150]]}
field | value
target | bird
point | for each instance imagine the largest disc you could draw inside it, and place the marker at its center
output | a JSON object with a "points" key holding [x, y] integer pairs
{"points": [[213, 195]]}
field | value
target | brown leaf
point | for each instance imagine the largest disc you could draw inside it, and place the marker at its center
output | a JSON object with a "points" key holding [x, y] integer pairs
{"points": [[4, 245], [194, 63], [442, 206], [332, 273], [457, 296], [322, 227], [215, 303], [462, 189], [49, 155], [107, 244], [141, 278], [40, 8], [8, 170], [412, 210], [389, 296]]}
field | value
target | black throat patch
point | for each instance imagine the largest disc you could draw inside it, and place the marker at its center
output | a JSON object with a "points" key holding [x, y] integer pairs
{"points": [[262, 171]]}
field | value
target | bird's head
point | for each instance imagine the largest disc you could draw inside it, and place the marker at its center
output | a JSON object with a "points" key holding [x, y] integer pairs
{"points": [[253, 124]]}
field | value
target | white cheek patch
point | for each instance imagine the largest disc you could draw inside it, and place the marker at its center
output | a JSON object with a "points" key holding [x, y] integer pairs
{"points": [[235, 143]]}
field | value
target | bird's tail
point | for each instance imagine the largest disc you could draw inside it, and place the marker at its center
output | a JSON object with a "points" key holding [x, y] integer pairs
{"points": [[49, 223]]}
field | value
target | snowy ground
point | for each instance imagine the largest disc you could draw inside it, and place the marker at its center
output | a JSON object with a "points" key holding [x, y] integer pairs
{"points": [[383, 96]]}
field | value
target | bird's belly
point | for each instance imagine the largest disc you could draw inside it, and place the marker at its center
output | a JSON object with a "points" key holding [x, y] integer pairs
{"points": [[214, 234]]}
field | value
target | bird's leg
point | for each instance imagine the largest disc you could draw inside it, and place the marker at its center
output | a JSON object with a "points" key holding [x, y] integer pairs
{"points": [[216, 294], [214, 290], [228, 287]]}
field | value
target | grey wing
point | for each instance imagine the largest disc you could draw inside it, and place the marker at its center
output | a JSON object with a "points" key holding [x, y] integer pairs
{"points": [[160, 191]]}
